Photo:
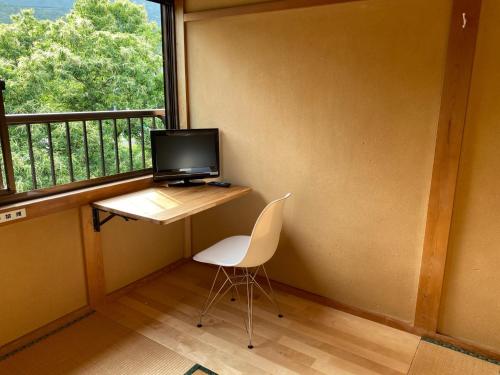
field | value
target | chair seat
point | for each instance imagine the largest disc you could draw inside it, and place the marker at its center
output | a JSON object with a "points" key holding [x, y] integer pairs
{"points": [[227, 253]]}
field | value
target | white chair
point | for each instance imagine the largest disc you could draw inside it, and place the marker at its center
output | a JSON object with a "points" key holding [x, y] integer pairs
{"points": [[247, 255]]}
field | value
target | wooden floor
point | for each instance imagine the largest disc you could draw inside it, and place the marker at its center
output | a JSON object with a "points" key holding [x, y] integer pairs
{"points": [[310, 339]]}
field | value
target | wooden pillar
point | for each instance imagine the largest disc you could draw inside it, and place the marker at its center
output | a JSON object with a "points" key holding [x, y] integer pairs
{"points": [[180, 48], [182, 97], [92, 253], [457, 80]]}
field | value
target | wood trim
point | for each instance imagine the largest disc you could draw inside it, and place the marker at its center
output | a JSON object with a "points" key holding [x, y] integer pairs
{"points": [[325, 301], [457, 79], [116, 294], [73, 199], [270, 6], [180, 48], [71, 186], [383, 319], [42, 118], [44, 330], [93, 259]]}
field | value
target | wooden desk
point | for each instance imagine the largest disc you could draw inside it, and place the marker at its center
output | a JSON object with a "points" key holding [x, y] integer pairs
{"points": [[164, 205], [160, 205]]}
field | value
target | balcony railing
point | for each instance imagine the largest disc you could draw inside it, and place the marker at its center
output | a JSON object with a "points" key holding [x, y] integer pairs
{"points": [[66, 148]]}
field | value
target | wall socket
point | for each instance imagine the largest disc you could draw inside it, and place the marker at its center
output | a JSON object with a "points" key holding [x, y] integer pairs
{"points": [[12, 215]]}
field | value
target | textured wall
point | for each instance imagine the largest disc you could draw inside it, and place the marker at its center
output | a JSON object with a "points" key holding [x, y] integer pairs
{"points": [[135, 249], [339, 105], [41, 273]]}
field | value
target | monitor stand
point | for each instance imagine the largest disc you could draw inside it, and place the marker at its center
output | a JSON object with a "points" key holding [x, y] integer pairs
{"points": [[186, 183]]}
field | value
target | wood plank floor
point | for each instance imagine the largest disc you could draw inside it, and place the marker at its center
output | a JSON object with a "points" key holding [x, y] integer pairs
{"points": [[310, 339]]}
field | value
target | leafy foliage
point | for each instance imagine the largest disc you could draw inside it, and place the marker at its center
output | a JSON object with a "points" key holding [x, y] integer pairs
{"points": [[102, 55]]}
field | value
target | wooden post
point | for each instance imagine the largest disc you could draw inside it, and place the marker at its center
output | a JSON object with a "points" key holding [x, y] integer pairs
{"points": [[457, 80], [92, 253], [180, 49], [182, 97]]}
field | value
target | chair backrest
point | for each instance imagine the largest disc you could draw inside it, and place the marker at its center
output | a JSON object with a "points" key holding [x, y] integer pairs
{"points": [[265, 234]]}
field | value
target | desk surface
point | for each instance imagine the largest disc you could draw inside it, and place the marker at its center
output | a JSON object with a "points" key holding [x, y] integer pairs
{"points": [[164, 205]]}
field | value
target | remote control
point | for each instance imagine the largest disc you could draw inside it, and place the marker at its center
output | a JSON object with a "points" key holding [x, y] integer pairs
{"points": [[220, 184]]}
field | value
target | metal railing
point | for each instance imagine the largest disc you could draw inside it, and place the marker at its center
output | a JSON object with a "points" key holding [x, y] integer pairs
{"points": [[126, 130]]}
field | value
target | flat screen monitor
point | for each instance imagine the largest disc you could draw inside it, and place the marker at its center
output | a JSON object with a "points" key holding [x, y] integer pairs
{"points": [[184, 155]]}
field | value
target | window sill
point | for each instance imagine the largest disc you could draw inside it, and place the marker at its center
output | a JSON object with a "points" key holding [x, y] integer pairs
{"points": [[64, 201]]}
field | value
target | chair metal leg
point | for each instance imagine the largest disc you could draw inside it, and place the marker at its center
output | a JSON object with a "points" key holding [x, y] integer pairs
{"points": [[232, 291], [246, 278], [211, 299], [272, 296], [249, 284]]}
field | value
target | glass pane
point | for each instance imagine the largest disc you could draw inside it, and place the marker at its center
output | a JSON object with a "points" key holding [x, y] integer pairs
{"points": [[21, 158], [79, 56], [60, 148]]}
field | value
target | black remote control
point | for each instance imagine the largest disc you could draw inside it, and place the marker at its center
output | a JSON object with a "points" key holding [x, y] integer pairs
{"points": [[220, 184]]}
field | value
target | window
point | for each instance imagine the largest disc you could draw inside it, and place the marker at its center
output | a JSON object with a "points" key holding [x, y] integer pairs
{"points": [[85, 82]]}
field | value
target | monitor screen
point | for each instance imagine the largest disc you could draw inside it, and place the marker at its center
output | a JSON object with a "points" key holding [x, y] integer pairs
{"points": [[185, 154]]}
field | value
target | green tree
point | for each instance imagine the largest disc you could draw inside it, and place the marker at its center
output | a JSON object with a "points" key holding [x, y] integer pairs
{"points": [[103, 55]]}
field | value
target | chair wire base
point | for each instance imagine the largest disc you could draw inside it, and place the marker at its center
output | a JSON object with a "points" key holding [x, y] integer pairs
{"points": [[230, 282]]}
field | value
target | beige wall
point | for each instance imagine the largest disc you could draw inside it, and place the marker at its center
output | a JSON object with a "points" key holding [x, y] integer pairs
{"points": [[135, 249], [42, 271], [471, 299], [339, 105]]}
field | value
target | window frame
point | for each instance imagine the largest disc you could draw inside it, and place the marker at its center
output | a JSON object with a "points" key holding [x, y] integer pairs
{"points": [[8, 194], [7, 187]]}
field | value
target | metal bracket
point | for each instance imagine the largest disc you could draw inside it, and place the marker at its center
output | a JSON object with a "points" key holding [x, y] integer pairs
{"points": [[97, 222]]}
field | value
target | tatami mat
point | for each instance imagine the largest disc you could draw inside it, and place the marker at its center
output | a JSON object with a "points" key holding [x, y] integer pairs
{"points": [[96, 345], [436, 360]]}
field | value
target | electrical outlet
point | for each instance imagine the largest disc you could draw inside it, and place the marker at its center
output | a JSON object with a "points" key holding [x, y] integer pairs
{"points": [[12, 215]]}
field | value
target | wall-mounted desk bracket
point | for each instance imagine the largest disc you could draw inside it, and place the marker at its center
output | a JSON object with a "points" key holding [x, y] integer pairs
{"points": [[96, 220]]}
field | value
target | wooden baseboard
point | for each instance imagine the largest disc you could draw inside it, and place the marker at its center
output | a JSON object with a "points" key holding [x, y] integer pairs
{"points": [[386, 320], [43, 331], [325, 301], [114, 295], [375, 317]]}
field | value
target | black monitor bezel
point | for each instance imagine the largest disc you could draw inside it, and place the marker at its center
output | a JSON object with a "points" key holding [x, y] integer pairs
{"points": [[158, 176]]}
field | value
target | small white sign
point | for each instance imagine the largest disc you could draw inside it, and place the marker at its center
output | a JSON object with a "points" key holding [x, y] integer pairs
{"points": [[12, 215]]}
